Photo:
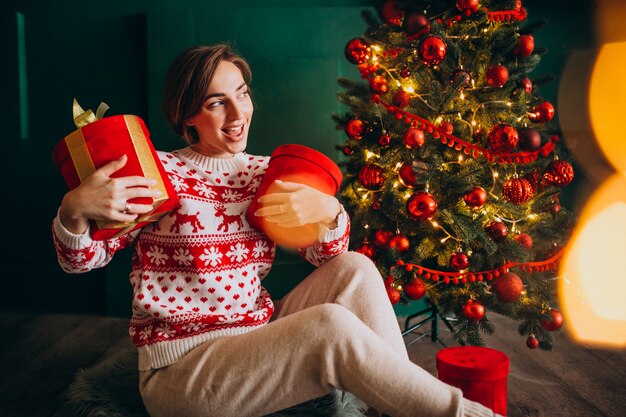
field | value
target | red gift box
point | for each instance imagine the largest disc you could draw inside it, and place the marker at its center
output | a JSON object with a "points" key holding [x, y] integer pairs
{"points": [[295, 163], [96, 144], [481, 373]]}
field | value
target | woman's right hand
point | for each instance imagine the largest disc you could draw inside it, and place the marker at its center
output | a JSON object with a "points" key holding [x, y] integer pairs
{"points": [[101, 197]]}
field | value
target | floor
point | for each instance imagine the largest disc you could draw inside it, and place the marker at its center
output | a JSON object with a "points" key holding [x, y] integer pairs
{"points": [[40, 354]]}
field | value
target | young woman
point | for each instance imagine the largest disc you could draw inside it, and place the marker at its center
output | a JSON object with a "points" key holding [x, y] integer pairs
{"points": [[209, 338]]}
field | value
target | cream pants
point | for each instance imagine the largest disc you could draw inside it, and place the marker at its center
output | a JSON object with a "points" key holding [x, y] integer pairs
{"points": [[336, 329]]}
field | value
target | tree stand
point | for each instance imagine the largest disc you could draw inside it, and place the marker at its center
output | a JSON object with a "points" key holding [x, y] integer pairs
{"points": [[433, 316]]}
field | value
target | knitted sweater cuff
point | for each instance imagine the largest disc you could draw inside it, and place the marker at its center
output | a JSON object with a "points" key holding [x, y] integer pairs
{"points": [[328, 235], [474, 409], [69, 239]]}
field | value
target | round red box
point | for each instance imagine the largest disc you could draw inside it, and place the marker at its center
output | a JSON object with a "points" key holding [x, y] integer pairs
{"points": [[295, 163], [481, 373]]}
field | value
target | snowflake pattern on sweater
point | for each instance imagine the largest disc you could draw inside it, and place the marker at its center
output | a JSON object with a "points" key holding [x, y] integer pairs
{"points": [[197, 271]]}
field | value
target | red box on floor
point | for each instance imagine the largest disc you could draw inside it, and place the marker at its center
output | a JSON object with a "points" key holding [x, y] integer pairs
{"points": [[98, 143], [481, 373]]}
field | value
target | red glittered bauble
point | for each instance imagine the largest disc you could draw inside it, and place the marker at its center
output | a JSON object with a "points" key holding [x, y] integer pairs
{"points": [[497, 75], [459, 261], [378, 84], [508, 287], [415, 289], [354, 129], [526, 85], [502, 138], [357, 51], [384, 140], [473, 310], [497, 231], [517, 190], [401, 98], [524, 239], [407, 175], [393, 294], [542, 113], [381, 238], [529, 139], [467, 6], [525, 46], [461, 78], [432, 50], [415, 24], [371, 177], [554, 322], [413, 138], [391, 13], [558, 173], [399, 242], [476, 197], [532, 342], [534, 178], [421, 206], [367, 249]]}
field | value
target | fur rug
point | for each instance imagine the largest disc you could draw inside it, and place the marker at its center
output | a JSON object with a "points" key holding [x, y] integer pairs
{"points": [[110, 389]]}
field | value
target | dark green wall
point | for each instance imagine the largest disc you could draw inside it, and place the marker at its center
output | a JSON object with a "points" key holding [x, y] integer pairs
{"points": [[117, 52]]}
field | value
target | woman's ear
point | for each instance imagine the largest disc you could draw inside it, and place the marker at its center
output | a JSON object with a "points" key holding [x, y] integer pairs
{"points": [[188, 122]]}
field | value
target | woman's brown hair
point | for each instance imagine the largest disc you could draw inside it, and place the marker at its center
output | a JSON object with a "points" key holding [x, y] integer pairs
{"points": [[188, 80]]}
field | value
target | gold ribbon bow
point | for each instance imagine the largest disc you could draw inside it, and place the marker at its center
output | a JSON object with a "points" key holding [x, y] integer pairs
{"points": [[82, 117]]}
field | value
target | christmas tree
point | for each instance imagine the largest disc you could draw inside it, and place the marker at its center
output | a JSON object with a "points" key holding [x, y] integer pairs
{"points": [[453, 163]]}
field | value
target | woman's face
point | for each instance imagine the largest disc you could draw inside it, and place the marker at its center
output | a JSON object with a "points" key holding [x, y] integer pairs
{"points": [[223, 121]]}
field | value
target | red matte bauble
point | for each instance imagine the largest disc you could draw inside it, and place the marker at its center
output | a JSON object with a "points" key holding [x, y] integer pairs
{"points": [[415, 289], [532, 342], [357, 51], [542, 113], [378, 84], [497, 231], [401, 98], [384, 140], [446, 127], [525, 46], [415, 24], [459, 261], [461, 78], [399, 242], [467, 6], [508, 287], [517, 190], [502, 138], [476, 197], [366, 249], [382, 237], [524, 239], [497, 75], [413, 138], [558, 173], [421, 206], [529, 139], [407, 175], [391, 13], [393, 294], [554, 322], [371, 177], [354, 129], [526, 85], [432, 50], [473, 310]]}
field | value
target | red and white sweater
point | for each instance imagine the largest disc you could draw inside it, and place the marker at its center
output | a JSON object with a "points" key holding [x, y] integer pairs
{"points": [[196, 273]]}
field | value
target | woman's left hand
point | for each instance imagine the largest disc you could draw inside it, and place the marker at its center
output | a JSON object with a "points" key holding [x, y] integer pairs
{"points": [[297, 204]]}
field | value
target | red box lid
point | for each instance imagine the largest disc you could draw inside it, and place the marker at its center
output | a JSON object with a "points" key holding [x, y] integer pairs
{"points": [[472, 363], [312, 156]]}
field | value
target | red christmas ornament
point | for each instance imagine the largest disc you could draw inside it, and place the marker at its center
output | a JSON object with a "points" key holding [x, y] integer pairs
{"points": [[534, 179], [497, 231], [376, 205], [357, 51], [399, 242], [379, 84], [467, 6], [476, 197], [421, 206], [393, 294], [529, 139], [526, 85], [367, 249], [502, 138], [542, 113], [405, 72], [554, 322], [473, 310], [517, 191], [532, 342], [384, 140], [459, 261], [401, 98], [461, 78], [371, 177], [413, 138], [497, 75], [432, 50], [407, 175], [415, 24], [415, 289], [525, 46], [508, 287], [354, 129], [347, 151], [524, 239], [558, 173], [382, 237], [391, 13], [447, 127], [389, 280]]}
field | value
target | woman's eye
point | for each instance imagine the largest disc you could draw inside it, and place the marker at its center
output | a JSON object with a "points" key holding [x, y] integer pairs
{"points": [[215, 104], [244, 93]]}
